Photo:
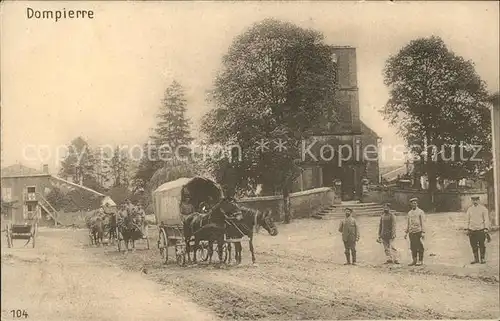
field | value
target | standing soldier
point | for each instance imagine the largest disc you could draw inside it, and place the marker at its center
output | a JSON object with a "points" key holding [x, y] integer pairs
{"points": [[350, 235], [415, 229], [387, 234], [478, 223]]}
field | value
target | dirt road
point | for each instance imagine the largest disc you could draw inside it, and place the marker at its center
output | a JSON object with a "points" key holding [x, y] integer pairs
{"points": [[59, 280], [300, 275]]}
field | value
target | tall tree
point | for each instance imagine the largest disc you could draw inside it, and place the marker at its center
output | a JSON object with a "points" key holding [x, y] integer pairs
{"points": [[102, 167], [172, 128], [170, 134], [438, 101], [79, 162], [276, 81], [120, 167]]}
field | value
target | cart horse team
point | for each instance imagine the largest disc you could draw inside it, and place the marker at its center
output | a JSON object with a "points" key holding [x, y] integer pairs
{"points": [[193, 217], [125, 226]]}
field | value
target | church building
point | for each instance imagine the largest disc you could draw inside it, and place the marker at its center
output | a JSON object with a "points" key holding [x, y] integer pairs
{"points": [[349, 136]]}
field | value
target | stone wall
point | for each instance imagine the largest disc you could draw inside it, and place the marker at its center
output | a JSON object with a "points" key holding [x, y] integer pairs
{"points": [[446, 201], [302, 204]]}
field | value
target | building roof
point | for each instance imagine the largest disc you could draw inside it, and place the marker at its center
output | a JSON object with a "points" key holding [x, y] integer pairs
{"points": [[367, 130], [400, 171], [77, 185], [19, 170]]}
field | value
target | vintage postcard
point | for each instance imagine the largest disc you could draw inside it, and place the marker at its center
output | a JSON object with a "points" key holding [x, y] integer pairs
{"points": [[211, 160]]}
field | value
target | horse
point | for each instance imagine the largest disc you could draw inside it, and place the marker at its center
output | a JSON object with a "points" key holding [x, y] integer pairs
{"points": [[96, 228], [251, 219], [209, 227], [112, 224], [130, 229]]}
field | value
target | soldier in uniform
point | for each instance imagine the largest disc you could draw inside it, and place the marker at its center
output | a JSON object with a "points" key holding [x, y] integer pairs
{"points": [[387, 234], [350, 235], [478, 224], [416, 231]]}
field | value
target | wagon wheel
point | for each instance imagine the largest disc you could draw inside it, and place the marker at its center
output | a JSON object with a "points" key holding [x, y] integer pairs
{"points": [[203, 251], [163, 245]]}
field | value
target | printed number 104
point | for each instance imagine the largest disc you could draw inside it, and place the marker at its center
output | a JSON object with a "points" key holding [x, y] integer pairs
{"points": [[19, 314]]}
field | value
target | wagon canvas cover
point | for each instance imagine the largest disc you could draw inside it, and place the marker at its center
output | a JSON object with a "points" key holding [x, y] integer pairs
{"points": [[168, 197]]}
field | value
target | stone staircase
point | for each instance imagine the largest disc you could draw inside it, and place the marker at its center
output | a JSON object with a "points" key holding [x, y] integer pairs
{"points": [[337, 211]]}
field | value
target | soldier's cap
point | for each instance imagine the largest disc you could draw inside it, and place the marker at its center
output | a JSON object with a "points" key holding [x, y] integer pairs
{"points": [[475, 198], [348, 209], [414, 199], [387, 204]]}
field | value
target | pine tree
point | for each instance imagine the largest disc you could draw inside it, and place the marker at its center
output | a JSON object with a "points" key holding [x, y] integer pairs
{"points": [[119, 166], [172, 129], [102, 167], [79, 162], [171, 133]]}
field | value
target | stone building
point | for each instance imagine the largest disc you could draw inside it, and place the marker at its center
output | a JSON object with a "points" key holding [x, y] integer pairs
{"points": [[332, 139], [28, 189]]}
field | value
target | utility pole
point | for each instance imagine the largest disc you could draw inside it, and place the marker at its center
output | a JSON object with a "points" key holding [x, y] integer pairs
{"points": [[495, 135]]}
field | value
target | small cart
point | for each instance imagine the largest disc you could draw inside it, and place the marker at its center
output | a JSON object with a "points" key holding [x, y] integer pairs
{"points": [[26, 231]]}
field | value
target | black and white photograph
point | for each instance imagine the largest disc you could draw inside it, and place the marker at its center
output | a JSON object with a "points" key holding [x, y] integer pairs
{"points": [[250, 160]]}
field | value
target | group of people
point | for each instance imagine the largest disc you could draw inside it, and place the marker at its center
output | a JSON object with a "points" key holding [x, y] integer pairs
{"points": [[478, 225], [111, 218]]}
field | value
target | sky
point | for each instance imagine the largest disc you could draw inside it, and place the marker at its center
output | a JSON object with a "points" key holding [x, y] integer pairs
{"points": [[104, 78]]}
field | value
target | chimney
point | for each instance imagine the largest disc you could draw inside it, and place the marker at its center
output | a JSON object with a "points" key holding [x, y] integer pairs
{"points": [[45, 169]]}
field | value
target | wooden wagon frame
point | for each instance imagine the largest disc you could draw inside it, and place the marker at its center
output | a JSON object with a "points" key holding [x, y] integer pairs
{"points": [[167, 201]]}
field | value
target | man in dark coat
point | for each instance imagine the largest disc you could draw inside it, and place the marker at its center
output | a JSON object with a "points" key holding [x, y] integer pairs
{"points": [[350, 235], [387, 234]]}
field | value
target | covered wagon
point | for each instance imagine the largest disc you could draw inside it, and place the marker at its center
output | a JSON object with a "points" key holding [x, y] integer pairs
{"points": [[170, 202]]}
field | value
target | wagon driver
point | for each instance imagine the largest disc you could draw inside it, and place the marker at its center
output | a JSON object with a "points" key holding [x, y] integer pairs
{"points": [[186, 206]]}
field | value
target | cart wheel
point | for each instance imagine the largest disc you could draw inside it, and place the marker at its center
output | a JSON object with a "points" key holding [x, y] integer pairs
{"points": [[163, 245], [202, 251]]}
